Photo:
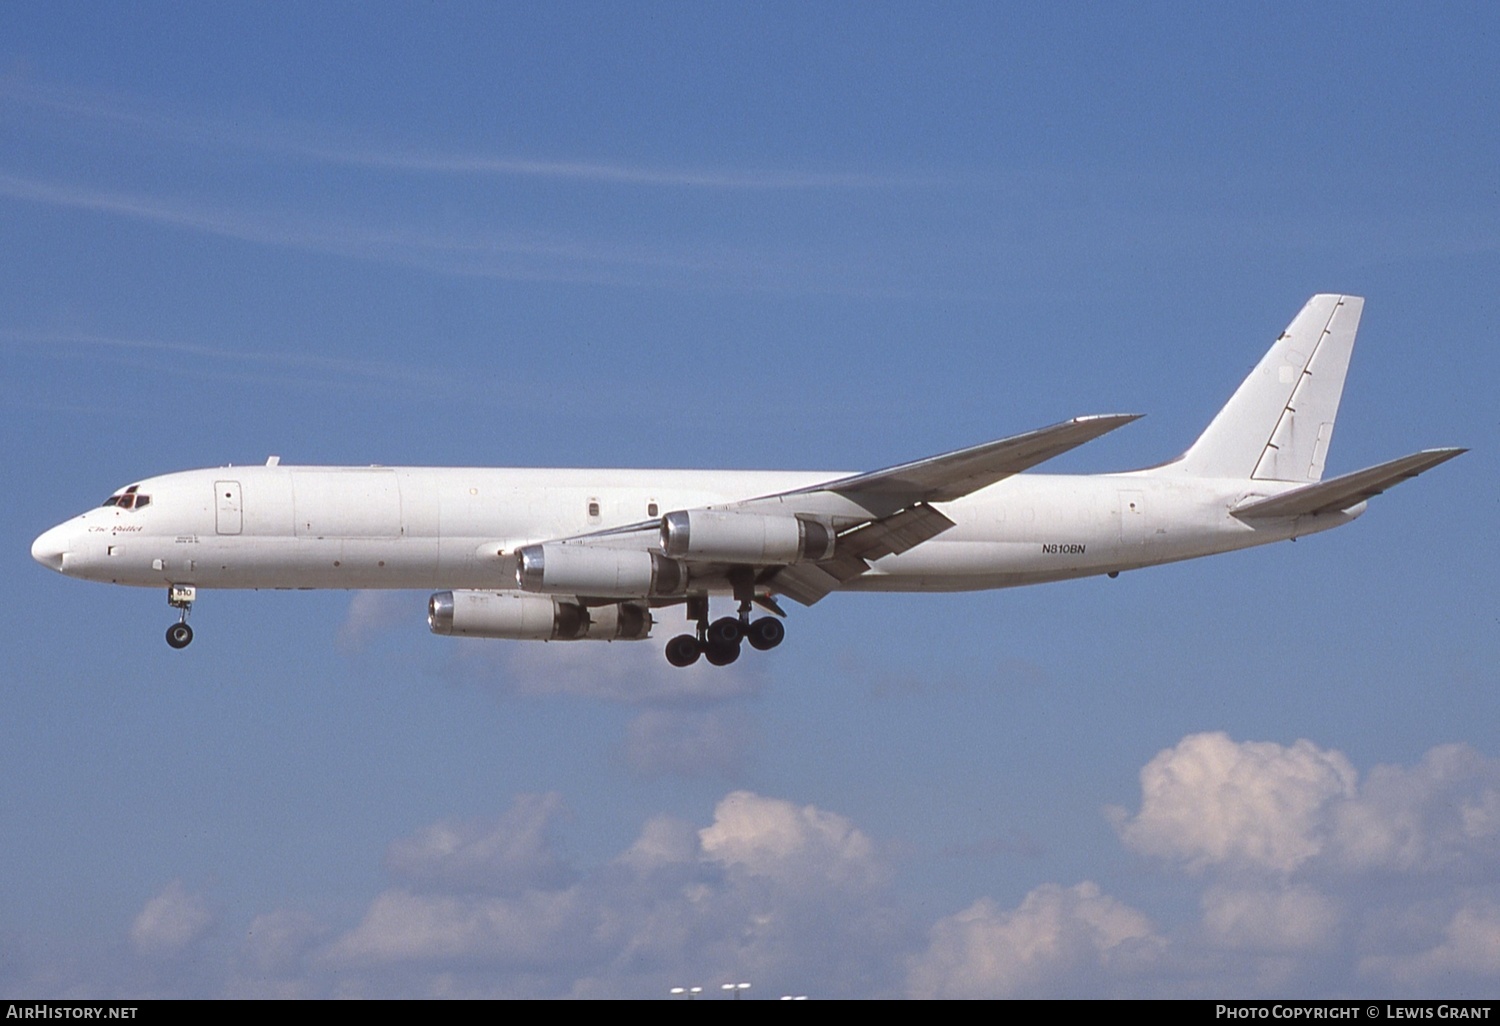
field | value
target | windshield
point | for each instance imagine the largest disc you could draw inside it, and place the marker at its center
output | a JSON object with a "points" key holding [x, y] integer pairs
{"points": [[130, 498]]}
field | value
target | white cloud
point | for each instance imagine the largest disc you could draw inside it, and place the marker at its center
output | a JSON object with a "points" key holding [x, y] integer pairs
{"points": [[506, 855], [1211, 800], [495, 254], [1255, 805], [1443, 812], [770, 890], [800, 846], [170, 923], [537, 928], [315, 145], [1270, 919], [663, 841], [1057, 941], [1259, 804], [1315, 872], [1470, 947], [1317, 882], [277, 943]]}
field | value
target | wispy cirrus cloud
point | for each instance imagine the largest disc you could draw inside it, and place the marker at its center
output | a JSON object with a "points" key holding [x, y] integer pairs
{"points": [[493, 253], [520, 256], [309, 143], [301, 368]]}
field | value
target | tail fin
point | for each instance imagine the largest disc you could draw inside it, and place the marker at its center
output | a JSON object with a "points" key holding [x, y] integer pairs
{"points": [[1277, 425]]}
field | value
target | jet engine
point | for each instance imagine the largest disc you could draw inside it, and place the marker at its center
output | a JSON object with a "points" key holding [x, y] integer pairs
{"points": [[503, 614], [755, 538], [555, 568]]}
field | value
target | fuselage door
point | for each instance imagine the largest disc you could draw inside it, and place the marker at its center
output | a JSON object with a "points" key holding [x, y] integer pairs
{"points": [[228, 517]]}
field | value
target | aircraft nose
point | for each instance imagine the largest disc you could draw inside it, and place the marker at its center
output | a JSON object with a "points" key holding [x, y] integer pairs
{"points": [[50, 548]]}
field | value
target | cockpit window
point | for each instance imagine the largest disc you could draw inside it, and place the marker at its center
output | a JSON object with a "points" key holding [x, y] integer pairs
{"points": [[130, 498]]}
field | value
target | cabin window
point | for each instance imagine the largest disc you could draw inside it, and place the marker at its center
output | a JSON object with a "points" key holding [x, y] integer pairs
{"points": [[593, 507], [652, 510]]}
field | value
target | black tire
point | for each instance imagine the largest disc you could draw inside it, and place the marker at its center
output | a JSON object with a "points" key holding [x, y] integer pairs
{"points": [[726, 632], [179, 635], [722, 655], [766, 633], [683, 650]]}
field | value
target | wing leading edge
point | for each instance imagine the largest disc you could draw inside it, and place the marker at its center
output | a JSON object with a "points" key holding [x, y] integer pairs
{"points": [[956, 474]]}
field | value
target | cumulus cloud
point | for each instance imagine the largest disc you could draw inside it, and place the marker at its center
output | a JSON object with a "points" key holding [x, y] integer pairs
{"points": [[277, 943], [1469, 947], [1444, 812], [1261, 806], [1308, 879], [802, 846], [508, 854], [275, 960], [1211, 800], [1316, 874], [537, 928], [170, 923], [1273, 919], [769, 890], [1057, 941]]}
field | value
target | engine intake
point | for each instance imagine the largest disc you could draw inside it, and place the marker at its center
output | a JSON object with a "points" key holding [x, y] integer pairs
{"points": [[753, 538]]}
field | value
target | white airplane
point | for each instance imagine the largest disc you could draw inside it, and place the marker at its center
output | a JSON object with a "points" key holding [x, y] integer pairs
{"points": [[563, 555]]}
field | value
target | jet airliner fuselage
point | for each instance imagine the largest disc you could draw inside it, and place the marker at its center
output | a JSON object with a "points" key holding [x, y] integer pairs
{"points": [[574, 554], [425, 527]]}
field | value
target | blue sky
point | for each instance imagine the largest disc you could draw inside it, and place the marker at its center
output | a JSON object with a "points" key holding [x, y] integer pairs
{"points": [[803, 236]]}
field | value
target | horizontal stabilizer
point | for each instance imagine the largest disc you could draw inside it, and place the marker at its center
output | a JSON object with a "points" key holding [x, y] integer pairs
{"points": [[1340, 493]]}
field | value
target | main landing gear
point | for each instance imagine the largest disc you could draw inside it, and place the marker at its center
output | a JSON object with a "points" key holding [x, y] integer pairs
{"points": [[719, 641], [181, 596]]}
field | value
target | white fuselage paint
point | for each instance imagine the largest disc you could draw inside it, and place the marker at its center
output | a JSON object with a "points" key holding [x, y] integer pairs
{"points": [[457, 528]]}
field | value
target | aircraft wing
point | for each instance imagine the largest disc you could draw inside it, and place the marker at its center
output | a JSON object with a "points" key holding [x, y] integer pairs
{"points": [[955, 474], [1340, 493], [882, 513], [899, 499]]}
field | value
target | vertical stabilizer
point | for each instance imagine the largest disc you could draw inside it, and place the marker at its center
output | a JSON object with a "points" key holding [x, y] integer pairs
{"points": [[1277, 425]]}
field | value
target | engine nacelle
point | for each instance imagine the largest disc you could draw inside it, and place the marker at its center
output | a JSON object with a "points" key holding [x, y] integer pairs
{"points": [[754, 538], [499, 614], [554, 568], [503, 614], [620, 621]]}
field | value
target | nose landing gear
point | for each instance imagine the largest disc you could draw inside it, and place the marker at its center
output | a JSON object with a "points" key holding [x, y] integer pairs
{"points": [[181, 596]]}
